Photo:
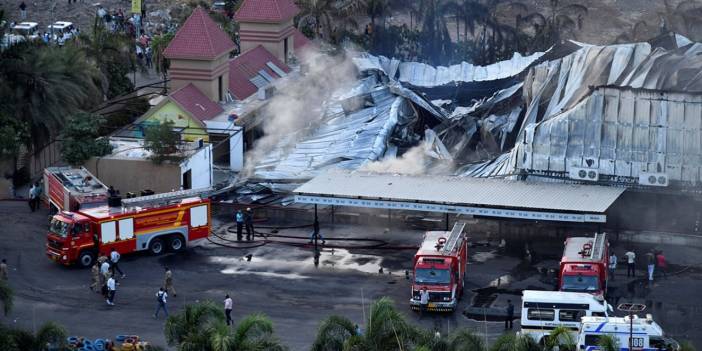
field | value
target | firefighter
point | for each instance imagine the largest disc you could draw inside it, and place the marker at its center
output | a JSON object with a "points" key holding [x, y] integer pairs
{"points": [[168, 282], [3, 270], [239, 218], [248, 220], [95, 273]]}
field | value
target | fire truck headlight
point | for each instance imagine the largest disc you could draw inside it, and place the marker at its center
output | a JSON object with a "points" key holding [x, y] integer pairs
{"points": [[446, 298], [64, 257]]}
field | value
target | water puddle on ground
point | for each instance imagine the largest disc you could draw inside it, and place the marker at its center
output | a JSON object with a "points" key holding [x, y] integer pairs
{"points": [[483, 256], [298, 264]]}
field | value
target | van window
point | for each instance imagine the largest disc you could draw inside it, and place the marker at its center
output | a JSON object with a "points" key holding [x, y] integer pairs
{"points": [[570, 315], [592, 340], [540, 314], [598, 314]]}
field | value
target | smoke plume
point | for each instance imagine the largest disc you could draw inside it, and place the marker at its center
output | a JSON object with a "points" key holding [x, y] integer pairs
{"points": [[298, 104]]}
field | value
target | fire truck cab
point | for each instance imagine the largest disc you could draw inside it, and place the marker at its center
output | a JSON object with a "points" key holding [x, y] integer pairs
{"points": [[440, 267], [584, 264]]}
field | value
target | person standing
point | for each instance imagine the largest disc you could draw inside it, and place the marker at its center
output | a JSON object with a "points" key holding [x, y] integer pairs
{"points": [[662, 264], [32, 203], [114, 258], [228, 309], [509, 319], [423, 301], [104, 276], [161, 296], [650, 264], [239, 219], [630, 263], [111, 290], [248, 220], [168, 282], [3, 270], [23, 10], [612, 264], [95, 274]]}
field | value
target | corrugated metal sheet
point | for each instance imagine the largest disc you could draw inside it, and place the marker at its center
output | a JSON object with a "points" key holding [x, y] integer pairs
{"points": [[463, 191]]}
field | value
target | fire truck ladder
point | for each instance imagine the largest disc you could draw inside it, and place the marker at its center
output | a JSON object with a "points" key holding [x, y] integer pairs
{"points": [[598, 244], [165, 198], [453, 238]]}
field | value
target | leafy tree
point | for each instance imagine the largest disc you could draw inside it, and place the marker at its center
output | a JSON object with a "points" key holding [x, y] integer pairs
{"points": [[13, 134], [685, 18], [465, 340], [434, 37], [561, 20], [162, 141], [159, 43], [80, 138], [6, 297], [318, 15]]}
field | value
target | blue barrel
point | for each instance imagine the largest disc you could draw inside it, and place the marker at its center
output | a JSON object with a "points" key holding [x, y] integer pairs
{"points": [[88, 348], [87, 342], [99, 345], [121, 338], [72, 339]]}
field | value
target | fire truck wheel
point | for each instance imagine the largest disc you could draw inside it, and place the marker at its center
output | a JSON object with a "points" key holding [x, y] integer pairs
{"points": [[86, 258], [176, 243], [156, 246]]}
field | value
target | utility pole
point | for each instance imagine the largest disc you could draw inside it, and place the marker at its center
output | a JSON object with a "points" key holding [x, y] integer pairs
{"points": [[631, 308]]}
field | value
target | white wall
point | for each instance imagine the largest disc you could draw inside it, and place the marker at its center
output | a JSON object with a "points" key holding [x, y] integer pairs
{"points": [[201, 165], [236, 142]]}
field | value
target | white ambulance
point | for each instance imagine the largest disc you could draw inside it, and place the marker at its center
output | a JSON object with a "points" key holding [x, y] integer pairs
{"points": [[647, 335], [543, 311]]}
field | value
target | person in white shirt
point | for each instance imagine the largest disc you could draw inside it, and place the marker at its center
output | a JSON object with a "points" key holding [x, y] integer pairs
{"points": [[228, 309], [630, 263], [104, 275], [161, 297], [114, 258], [423, 301], [111, 289], [612, 264]]}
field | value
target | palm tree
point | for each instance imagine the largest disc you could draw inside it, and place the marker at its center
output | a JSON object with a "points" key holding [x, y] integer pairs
{"points": [[465, 340], [435, 40], [561, 337], [377, 9], [159, 43], [639, 32], [386, 329], [44, 84], [471, 12], [608, 343], [113, 54], [318, 14], [202, 327], [20, 340], [512, 342], [6, 297]]}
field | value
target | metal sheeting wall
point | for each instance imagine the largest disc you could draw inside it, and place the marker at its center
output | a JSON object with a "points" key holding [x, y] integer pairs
{"points": [[623, 132]]}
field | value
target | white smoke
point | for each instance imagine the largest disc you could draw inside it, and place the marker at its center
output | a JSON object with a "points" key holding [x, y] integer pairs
{"points": [[298, 104], [418, 160]]}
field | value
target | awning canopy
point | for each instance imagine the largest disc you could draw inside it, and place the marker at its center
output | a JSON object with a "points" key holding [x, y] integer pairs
{"points": [[471, 196]]}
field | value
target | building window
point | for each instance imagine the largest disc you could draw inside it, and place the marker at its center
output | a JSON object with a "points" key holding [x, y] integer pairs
{"points": [[540, 314], [219, 88]]}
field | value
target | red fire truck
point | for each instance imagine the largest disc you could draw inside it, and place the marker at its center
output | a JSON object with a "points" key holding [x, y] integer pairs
{"points": [[155, 223], [440, 267], [69, 189], [584, 265]]}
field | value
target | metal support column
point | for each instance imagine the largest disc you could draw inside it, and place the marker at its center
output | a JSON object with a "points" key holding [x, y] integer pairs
{"points": [[447, 222]]}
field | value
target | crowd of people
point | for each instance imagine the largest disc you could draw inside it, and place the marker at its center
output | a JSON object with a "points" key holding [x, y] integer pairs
{"points": [[655, 262]]}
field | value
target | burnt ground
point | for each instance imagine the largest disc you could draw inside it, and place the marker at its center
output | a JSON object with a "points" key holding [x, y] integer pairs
{"points": [[283, 282]]}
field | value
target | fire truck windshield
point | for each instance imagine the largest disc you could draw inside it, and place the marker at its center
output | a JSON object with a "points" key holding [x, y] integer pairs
{"points": [[432, 276], [580, 283], [59, 228]]}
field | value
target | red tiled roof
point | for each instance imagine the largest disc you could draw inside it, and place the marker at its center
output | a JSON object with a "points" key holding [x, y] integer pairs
{"points": [[195, 102], [266, 11], [199, 38], [246, 66]]}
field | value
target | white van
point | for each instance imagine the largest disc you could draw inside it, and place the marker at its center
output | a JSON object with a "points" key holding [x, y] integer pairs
{"points": [[26, 29], [543, 311], [647, 334], [61, 28]]}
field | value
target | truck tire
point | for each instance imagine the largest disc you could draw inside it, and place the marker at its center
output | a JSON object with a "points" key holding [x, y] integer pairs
{"points": [[86, 258], [156, 246], [176, 243]]}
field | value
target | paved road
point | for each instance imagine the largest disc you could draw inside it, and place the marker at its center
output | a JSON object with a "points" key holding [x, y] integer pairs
{"points": [[282, 282]]}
